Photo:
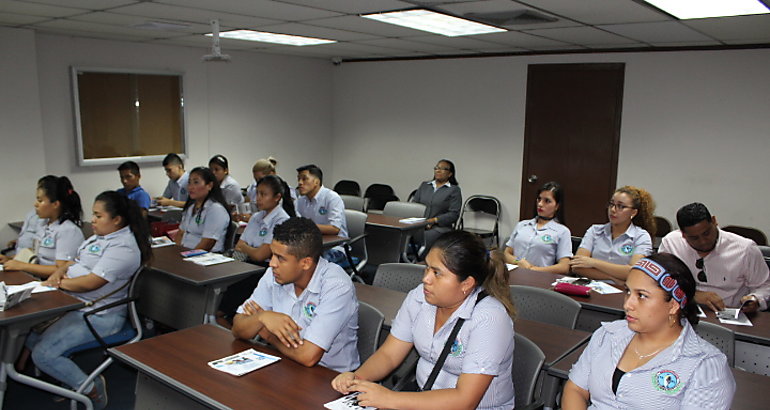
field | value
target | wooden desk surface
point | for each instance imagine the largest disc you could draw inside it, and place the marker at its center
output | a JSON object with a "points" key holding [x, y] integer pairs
{"points": [[330, 241], [180, 358], [388, 301], [38, 305], [391, 222], [168, 260], [759, 333], [611, 303]]}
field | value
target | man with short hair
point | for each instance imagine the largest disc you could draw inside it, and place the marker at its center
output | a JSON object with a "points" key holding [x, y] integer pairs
{"points": [[304, 305], [175, 193], [323, 206], [728, 269], [129, 177]]}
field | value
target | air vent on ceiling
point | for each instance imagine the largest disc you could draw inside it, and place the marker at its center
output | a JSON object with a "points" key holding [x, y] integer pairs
{"points": [[511, 18]]}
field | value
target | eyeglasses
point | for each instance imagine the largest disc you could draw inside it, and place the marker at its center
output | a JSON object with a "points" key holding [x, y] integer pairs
{"points": [[702, 274], [620, 207], [441, 169]]}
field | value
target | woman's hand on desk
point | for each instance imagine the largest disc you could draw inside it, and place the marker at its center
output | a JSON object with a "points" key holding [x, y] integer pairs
{"points": [[282, 327], [372, 394], [580, 261], [54, 280], [13, 265], [343, 381]]}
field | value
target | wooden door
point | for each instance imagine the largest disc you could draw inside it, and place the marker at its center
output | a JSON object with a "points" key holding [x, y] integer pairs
{"points": [[571, 136]]}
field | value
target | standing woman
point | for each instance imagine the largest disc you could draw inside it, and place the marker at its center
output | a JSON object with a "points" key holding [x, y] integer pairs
{"points": [[653, 358], [608, 251], [61, 236], [205, 218], [231, 190], [477, 372], [442, 198], [104, 266], [542, 243]]}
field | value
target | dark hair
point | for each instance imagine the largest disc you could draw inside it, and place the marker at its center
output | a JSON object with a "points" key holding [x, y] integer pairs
{"points": [[131, 166], [453, 178], [216, 192], [302, 236], [42, 180], [219, 160], [692, 214], [173, 159], [464, 254], [279, 186], [683, 276], [119, 205], [644, 205], [558, 196], [61, 189], [313, 170]]}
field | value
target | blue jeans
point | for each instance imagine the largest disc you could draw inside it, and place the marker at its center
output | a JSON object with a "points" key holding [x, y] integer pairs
{"points": [[334, 255], [69, 331]]}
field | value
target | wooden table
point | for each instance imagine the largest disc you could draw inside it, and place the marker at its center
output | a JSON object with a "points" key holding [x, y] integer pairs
{"points": [[173, 373], [16, 322], [182, 294], [386, 237]]}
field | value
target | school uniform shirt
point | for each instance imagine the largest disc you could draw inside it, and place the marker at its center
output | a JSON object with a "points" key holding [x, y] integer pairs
{"points": [[689, 374], [484, 344], [326, 208], [114, 258], [30, 231], [211, 222], [598, 240], [259, 231], [138, 195], [231, 189], [734, 268], [326, 311], [177, 190], [251, 193], [59, 241], [541, 246]]}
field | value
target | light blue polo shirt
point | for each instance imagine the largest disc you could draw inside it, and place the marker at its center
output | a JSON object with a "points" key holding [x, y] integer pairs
{"points": [[210, 223], [327, 312], [59, 241], [598, 241], [231, 190], [541, 246], [177, 190], [31, 230], [259, 231], [139, 195], [114, 258], [326, 208]]}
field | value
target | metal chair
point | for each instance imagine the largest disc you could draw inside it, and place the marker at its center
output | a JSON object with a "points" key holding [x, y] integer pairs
{"points": [[484, 209], [576, 243], [229, 244], [721, 337], [752, 233], [355, 248], [765, 251], [405, 210], [370, 321], [528, 361], [544, 305], [347, 187], [411, 196], [402, 277], [377, 195], [662, 226], [355, 203]]}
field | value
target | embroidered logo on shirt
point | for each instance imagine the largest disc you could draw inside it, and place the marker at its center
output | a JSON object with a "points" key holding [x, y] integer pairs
{"points": [[48, 242], [309, 309], [626, 249], [262, 232], [323, 211], [667, 381], [547, 238], [457, 348], [94, 248]]}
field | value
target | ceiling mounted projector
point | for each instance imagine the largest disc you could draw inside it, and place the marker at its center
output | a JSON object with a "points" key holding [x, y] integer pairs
{"points": [[216, 52]]}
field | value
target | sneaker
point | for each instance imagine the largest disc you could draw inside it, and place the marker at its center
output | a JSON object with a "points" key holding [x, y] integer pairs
{"points": [[99, 394]]}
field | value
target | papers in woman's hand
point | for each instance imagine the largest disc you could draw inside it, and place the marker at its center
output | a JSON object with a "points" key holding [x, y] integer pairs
{"points": [[243, 362], [348, 402], [733, 316]]}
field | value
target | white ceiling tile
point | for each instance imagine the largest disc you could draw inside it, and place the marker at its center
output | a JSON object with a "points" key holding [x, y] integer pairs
{"points": [[124, 20], [87, 4], [660, 32], [34, 9], [688, 43], [354, 7], [628, 45], [316, 31], [90, 34], [580, 35], [494, 6], [522, 40], [599, 11], [9, 19], [346, 49], [467, 42], [734, 28], [355, 23], [175, 13], [205, 43], [401, 44], [258, 8], [83, 26]]}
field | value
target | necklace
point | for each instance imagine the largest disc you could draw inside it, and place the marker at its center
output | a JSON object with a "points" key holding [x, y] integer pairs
{"points": [[643, 356]]}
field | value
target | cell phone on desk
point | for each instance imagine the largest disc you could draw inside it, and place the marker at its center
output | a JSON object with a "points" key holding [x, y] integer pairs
{"points": [[582, 282]]}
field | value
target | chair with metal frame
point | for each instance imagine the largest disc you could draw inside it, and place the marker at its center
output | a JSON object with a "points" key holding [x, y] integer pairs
{"points": [[370, 321], [347, 187], [528, 361], [576, 243], [402, 277], [544, 305], [747, 232], [377, 195], [229, 244], [662, 226], [406, 210], [721, 337], [481, 207], [355, 248], [355, 203]]}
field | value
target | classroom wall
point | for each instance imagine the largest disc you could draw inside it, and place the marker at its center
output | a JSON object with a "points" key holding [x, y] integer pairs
{"points": [[694, 127]]}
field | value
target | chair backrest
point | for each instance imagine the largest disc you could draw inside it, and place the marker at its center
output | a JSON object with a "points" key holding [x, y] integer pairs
{"points": [[378, 202], [765, 251], [576, 243], [355, 203], [721, 337], [402, 277], [356, 222], [528, 360], [347, 187], [378, 190], [480, 214], [230, 237], [545, 305], [752, 233], [411, 196], [404, 209], [662, 226], [370, 322]]}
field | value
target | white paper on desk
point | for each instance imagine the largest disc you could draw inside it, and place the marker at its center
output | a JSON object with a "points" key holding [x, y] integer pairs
{"points": [[161, 241], [412, 220], [169, 208], [603, 288], [348, 402], [10, 297], [208, 259], [511, 266], [36, 286], [742, 320], [243, 362], [701, 313]]}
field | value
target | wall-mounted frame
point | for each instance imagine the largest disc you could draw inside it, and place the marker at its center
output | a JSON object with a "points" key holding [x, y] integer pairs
{"points": [[123, 115]]}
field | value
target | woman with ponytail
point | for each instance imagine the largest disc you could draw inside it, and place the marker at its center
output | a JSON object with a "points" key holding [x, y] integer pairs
{"points": [[462, 281], [205, 218], [58, 240], [608, 251], [99, 275]]}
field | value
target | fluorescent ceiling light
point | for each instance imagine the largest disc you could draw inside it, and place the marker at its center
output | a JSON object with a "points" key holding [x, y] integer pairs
{"points": [[251, 35], [696, 9], [438, 23]]}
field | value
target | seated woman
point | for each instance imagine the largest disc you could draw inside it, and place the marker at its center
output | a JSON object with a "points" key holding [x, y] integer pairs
{"points": [[477, 372], [608, 251], [653, 358], [262, 168], [205, 218], [442, 199], [31, 228], [100, 275], [59, 238], [231, 189], [542, 243]]}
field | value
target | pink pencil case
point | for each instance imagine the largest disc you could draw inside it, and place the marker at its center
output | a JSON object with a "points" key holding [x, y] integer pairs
{"points": [[570, 289]]}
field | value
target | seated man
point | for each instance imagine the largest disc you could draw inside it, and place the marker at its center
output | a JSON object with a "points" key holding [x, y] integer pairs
{"points": [[729, 268], [175, 193], [129, 177], [304, 306], [323, 206]]}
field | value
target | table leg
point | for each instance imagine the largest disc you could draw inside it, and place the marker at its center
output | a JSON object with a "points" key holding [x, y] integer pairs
{"points": [[550, 390]]}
